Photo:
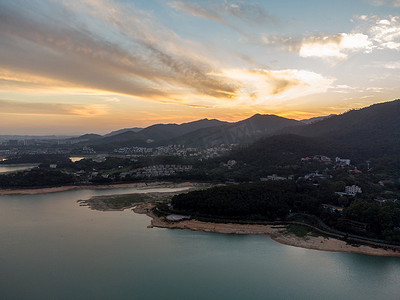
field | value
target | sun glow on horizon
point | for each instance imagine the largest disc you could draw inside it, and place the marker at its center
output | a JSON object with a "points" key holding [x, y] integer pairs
{"points": [[96, 66]]}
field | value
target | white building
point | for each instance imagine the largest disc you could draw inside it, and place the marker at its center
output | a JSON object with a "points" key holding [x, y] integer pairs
{"points": [[343, 161], [273, 177], [352, 190]]}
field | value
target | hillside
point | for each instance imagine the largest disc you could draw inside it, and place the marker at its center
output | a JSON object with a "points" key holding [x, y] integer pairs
{"points": [[134, 129], [361, 134], [241, 132], [201, 133], [287, 149], [154, 135], [161, 132], [374, 130]]}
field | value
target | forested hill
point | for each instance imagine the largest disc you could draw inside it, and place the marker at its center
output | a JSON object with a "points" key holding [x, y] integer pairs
{"points": [[287, 149], [244, 131], [371, 131]]}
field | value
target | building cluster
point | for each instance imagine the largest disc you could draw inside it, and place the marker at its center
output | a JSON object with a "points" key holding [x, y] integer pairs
{"points": [[342, 161], [339, 162], [382, 200], [18, 151], [350, 190], [229, 164], [174, 150], [321, 158], [156, 171], [88, 150], [99, 158], [316, 176], [275, 177]]}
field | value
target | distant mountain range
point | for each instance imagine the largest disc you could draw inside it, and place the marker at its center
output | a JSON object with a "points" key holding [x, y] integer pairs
{"points": [[373, 131], [368, 130], [316, 119], [241, 132], [134, 129], [155, 135]]}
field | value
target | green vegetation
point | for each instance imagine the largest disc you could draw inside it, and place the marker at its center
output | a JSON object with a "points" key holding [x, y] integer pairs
{"points": [[122, 201], [298, 230], [36, 178], [119, 202], [275, 201], [262, 201]]}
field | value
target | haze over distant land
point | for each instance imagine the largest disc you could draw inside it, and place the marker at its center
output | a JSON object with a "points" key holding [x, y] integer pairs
{"points": [[73, 67]]}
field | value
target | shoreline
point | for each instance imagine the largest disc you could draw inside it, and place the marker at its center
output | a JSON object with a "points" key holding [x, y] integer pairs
{"points": [[144, 185], [276, 233]]}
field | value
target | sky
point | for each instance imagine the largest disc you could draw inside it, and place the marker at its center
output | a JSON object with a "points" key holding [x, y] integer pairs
{"points": [[79, 66]]}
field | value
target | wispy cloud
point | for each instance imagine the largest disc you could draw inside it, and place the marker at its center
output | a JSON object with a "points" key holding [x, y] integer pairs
{"points": [[372, 33], [220, 11], [135, 56], [332, 48], [394, 65], [385, 32], [266, 85], [394, 3], [149, 66], [337, 46], [41, 108]]}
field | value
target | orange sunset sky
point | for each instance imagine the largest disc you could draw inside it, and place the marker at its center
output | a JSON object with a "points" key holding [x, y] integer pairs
{"points": [[72, 67]]}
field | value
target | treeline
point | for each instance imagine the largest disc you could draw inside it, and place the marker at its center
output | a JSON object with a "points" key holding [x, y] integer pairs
{"points": [[383, 220], [35, 178], [260, 201]]}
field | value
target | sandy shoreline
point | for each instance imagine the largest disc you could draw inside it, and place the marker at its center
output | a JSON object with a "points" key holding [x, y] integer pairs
{"points": [[277, 233], [143, 185]]}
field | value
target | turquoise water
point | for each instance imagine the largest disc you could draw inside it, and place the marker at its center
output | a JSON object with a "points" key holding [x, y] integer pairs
{"points": [[51, 248]]}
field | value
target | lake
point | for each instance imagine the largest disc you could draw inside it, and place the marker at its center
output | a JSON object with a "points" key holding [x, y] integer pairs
{"points": [[17, 167], [52, 248]]}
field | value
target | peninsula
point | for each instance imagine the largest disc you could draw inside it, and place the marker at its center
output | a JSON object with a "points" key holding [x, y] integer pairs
{"points": [[285, 233]]}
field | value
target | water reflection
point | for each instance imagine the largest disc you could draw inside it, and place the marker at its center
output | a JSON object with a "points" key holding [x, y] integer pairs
{"points": [[15, 168], [51, 248]]}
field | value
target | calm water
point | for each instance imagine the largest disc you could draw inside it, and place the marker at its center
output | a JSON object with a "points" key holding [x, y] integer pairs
{"points": [[51, 248], [14, 168], [76, 158]]}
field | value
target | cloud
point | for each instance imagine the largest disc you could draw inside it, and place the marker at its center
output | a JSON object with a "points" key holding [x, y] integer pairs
{"points": [[337, 46], [329, 47], [196, 10], [36, 108], [264, 85], [144, 60], [395, 65], [345, 89], [371, 34], [385, 32], [394, 3], [221, 11], [112, 99]]}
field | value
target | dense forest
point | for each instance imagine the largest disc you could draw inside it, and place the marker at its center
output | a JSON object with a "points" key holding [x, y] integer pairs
{"points": [[269, 200], [35, 178], [275, 200]]}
